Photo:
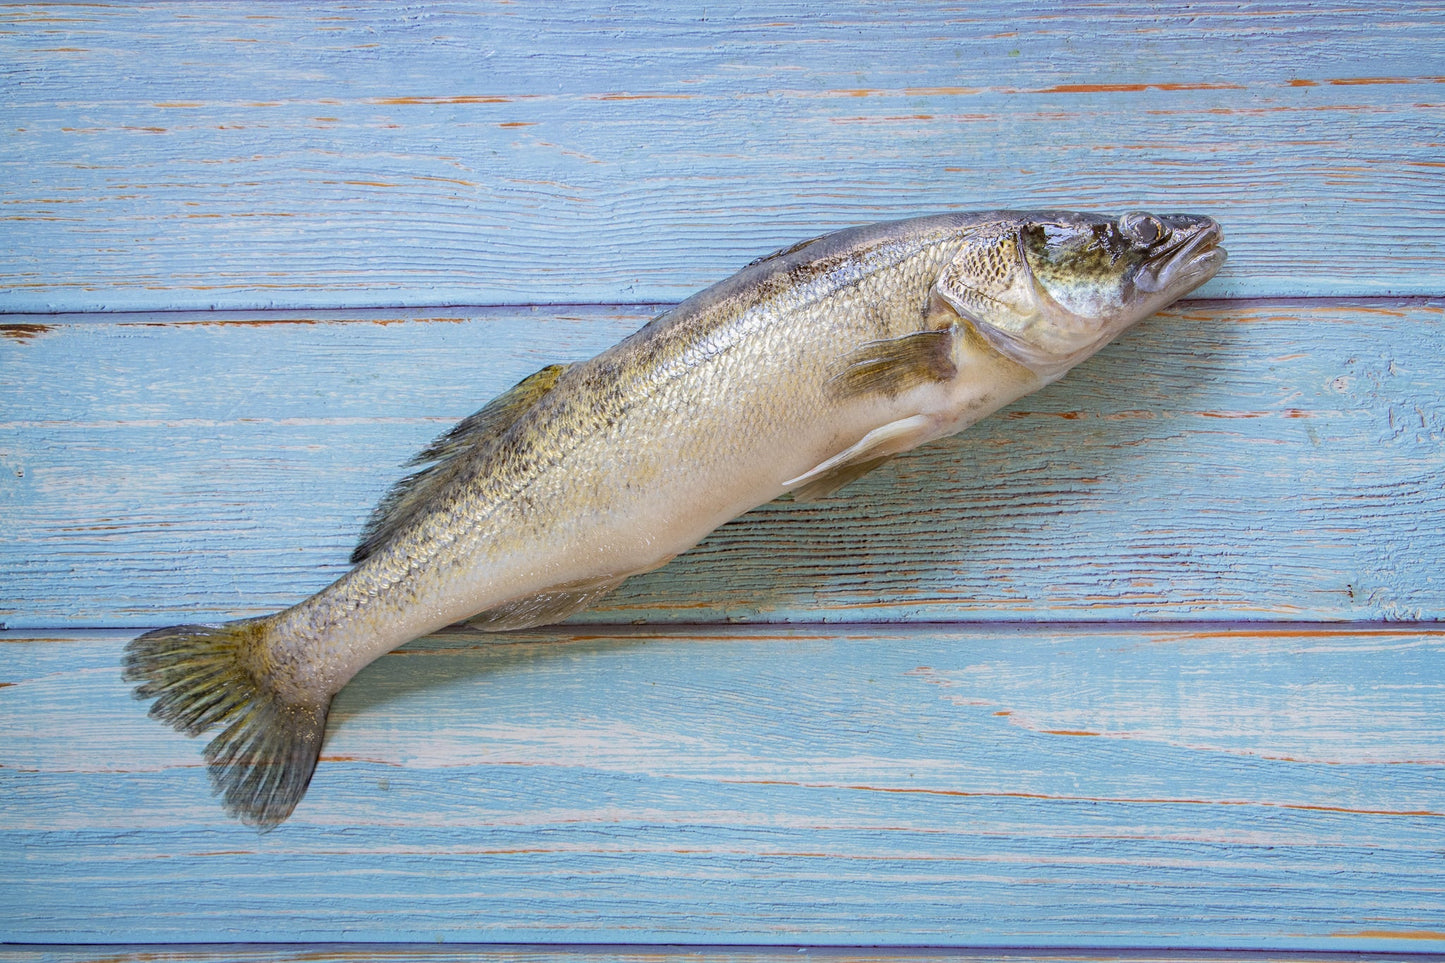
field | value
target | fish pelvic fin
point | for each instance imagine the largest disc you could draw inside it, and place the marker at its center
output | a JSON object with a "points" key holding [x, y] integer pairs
{"points": [[447, 454], [261, 761], [870, 451], [822, 485]]}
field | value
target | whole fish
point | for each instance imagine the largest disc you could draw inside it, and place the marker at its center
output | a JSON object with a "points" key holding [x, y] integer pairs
{"points": [[798, 374]]}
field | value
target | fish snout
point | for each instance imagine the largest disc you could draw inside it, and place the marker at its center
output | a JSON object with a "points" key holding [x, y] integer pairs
{"points": [[1191, 256]]}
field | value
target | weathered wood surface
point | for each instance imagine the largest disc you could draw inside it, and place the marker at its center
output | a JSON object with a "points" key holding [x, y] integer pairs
{"points": [[892, 767], [528, 953], [1223, 460], [242, 154], [1172, 786]]}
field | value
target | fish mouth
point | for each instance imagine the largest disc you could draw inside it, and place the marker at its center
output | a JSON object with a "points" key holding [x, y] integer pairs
{"points": [[1192, 256]]}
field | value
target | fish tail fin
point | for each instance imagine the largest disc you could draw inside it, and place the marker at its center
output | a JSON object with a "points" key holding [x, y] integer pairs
{"points": [[262, 760]]}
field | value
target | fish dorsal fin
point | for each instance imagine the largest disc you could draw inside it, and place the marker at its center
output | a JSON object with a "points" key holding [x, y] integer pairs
{"points": [[872, 450], [544, 608], [495, 417], [893, 365], [783, 252], [408, 496]]}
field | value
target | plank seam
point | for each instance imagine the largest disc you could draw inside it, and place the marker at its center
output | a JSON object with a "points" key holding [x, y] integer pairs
{"points": [[1098, 953]]}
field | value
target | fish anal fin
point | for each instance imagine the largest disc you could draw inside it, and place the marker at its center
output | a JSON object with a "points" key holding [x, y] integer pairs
{"points": [[544, 608], [894, 365], [868, 453], [447, 453], [826, 484]]}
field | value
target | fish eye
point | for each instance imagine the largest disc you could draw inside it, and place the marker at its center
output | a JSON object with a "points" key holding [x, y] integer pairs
{"points": [[1141, 228]]}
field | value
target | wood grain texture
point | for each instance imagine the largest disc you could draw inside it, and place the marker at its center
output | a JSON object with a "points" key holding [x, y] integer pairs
{"points": [[899, 766], [239, 155], [1222, 460], [1052, 785], [531, 953]]}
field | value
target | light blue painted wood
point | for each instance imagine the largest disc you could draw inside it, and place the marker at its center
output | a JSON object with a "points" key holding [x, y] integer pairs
{"points": [[1175, 786], [523, 953], [243, 155], [951, 784], [1256, 461]]}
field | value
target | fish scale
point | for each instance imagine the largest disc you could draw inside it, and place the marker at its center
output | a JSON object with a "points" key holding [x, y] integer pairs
{"points": [[803, 371]]}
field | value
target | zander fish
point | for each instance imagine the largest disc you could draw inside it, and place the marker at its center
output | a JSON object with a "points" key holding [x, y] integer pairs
{"points": [[798, 374]]}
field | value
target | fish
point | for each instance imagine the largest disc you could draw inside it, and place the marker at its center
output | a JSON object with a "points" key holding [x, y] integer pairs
{"points": [[795, 376]]}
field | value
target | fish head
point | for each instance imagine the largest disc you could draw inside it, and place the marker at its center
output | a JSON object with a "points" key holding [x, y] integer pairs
{"points": [[1049, 289]]}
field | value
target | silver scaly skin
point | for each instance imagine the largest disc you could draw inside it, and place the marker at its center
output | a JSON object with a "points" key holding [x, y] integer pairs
{"points": [[799, 373]]}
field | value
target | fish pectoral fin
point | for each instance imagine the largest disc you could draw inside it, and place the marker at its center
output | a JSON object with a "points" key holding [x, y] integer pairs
{"points": [[872, 450], [544, 608], [410, 496], [893, 365]]}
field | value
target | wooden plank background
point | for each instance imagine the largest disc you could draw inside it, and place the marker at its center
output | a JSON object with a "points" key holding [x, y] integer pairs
{"points": [[246, 154], [1202, 467], [527, 953], [1152, 659], [865, 785]]}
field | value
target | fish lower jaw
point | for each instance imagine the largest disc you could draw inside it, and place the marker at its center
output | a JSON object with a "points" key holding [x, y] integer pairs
{"points": [[1193, 264]]}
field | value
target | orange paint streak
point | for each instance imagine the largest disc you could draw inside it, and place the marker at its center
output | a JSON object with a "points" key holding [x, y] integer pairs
{"points": [[24, 332], [1130, 88], [1066, 415], [1363, 81], [227, 323], [326, 757], [940, 91], [1395, 935], [1302, 633], [879, 120], [444, 180], [1121, 800], [629, 96], [433, 101]]}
